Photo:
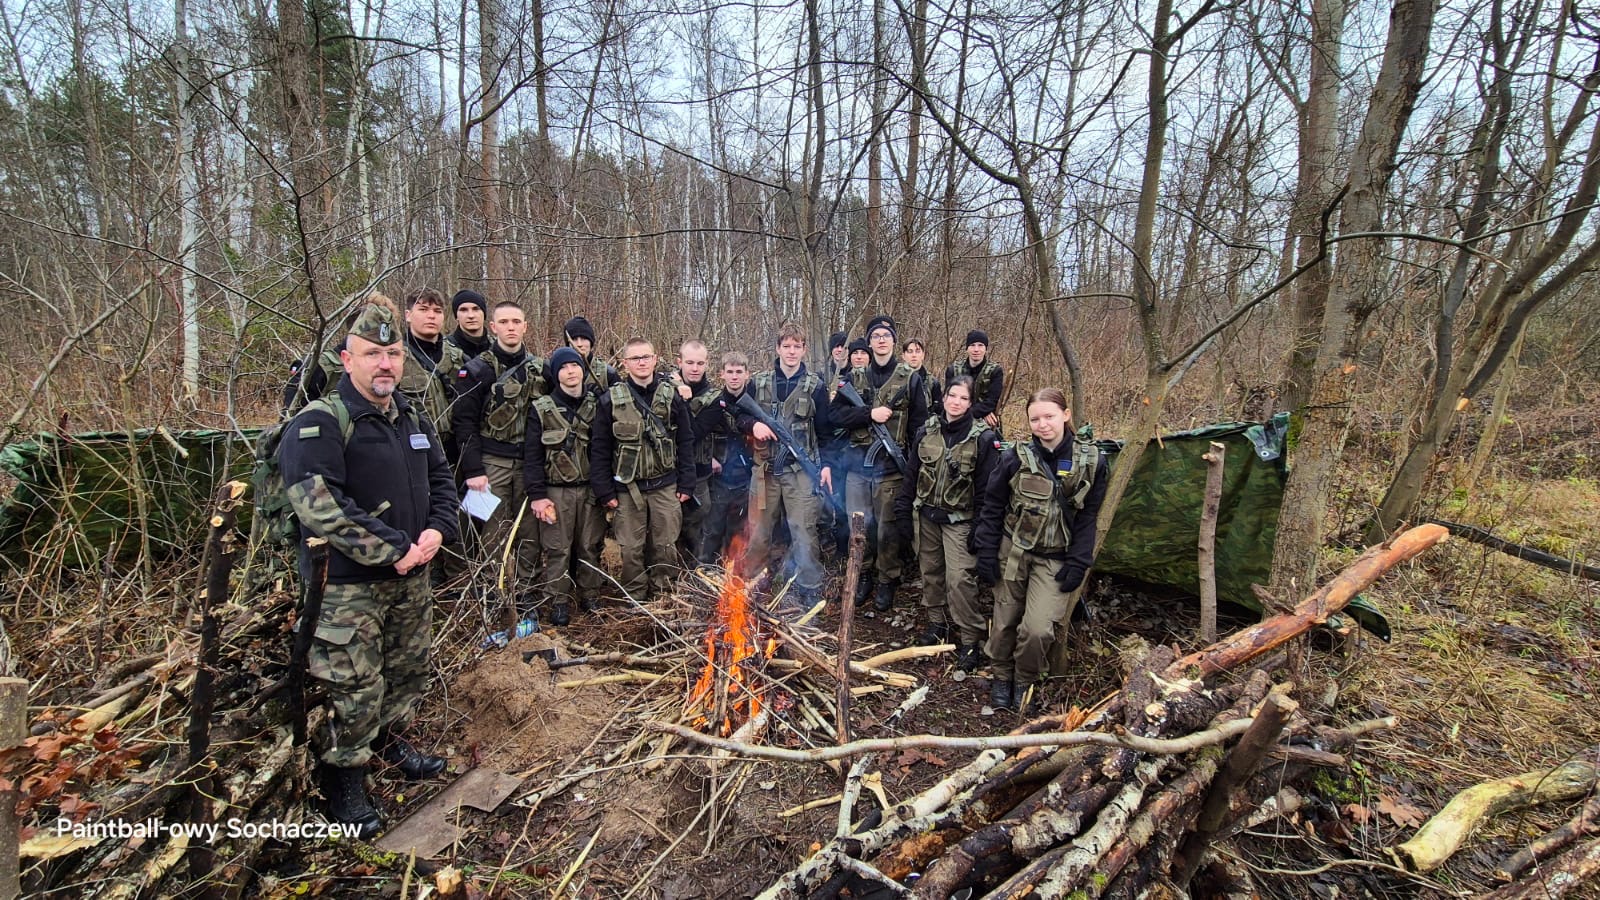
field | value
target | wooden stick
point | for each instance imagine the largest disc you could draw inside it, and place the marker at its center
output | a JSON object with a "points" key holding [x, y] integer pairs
{"points": [[1215, 458], [847, 618], [1556, 877], [809, 805], [221, 548], [852, 791], [1527, 554], [1183, 744], [628, 677], [1245, 645], [13, 731], [613, 658], [905, 653], [1585, 823]]}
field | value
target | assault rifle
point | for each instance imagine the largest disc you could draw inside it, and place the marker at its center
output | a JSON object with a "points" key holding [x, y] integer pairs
{"points": [[880, 432], [787, 443]]}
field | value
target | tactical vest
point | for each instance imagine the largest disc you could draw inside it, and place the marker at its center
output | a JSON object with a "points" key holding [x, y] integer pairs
{"points": [[1035, 521], [646, 446], [945, 478], [895, 394], [427, 385], [980, 381], [697, 404], [566, 443], [505, 410], [797, 413]]}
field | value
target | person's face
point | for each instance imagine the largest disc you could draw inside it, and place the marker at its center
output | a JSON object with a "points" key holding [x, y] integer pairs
{"points": [[374, 368], [692, 364], [840, 354], [957, 401], [581, 344], [508, 327], [882, 341], [913, 355], [790, 352], [858, 358], [977, 353], [734, 378], [571, 378], [1047, 421], [640, 362], [470, 318], [426, 320]]}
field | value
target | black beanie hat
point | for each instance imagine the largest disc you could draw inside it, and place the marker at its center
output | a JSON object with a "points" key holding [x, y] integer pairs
{"points": [[881, 322], [861, 344], [561, 357], [837, 339], [977, 336], [579, 327], [464, 297]]}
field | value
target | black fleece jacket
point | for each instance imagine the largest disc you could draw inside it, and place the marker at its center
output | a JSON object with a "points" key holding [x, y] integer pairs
{"points": [[603, 446], [1080, 523], [953, 431]]}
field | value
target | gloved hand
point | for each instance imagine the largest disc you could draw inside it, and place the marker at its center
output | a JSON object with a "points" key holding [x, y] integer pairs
{"points": [[904, 532], [988, 571], [972, 540], [1070, 576]]}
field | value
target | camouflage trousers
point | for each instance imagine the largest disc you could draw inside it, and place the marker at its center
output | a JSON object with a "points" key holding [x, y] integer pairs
{"points": [[1027, 609], [949, 587], [371, 658], [788, 495]]}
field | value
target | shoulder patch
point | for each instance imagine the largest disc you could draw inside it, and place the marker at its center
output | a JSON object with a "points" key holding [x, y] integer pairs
{"points": [[461, 373], [997, 444], [307, 432]]}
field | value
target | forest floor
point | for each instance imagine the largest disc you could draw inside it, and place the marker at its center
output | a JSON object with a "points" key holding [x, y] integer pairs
{"points": [[1492, 671]]}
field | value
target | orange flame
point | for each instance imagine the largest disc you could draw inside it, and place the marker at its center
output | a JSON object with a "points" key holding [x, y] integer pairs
{"points": [[733, 646]]}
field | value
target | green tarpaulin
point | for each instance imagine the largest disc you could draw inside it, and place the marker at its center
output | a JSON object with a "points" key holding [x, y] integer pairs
{"points": [[111, 492]]}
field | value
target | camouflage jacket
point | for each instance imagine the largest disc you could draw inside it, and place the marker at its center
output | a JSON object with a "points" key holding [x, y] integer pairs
{"points": [[370, 497]]}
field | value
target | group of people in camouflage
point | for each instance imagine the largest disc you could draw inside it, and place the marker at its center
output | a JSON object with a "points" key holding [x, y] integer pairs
{"points": [[682, 460]]}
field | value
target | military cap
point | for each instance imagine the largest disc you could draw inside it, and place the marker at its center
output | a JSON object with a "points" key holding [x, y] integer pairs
{"points": [[377, 322]]}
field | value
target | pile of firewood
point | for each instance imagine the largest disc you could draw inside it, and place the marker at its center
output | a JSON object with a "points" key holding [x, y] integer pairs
{"points": [[1143, 791]]}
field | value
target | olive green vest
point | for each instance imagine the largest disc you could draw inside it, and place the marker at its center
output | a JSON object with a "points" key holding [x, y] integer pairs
{"points": [[505, 410], [980, 381], [797, 413], [426, 385], [566, 443], [945, 478], [1034, 519], [893, 394], [646, 447]]}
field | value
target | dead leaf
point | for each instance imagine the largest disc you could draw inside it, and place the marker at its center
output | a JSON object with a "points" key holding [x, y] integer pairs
{"points": [[1358, 814], [448, 880], [1400, 812]]}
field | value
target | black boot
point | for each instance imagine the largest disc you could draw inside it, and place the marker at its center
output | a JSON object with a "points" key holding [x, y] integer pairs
{"points": [[883, 600], [935, 633], [588, 604], [347, 799], [412, 763], [560, 614], [863, 590], [1001, 694], [969, 658]]}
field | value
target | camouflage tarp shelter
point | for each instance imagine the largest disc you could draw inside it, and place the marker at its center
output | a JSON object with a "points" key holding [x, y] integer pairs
{"points": [[87, 496], [111, 492]]}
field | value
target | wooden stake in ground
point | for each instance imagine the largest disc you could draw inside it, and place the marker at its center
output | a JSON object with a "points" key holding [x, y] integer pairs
{"points": [[13, 731], [847, 617], [1214, 458], [221, 548]]}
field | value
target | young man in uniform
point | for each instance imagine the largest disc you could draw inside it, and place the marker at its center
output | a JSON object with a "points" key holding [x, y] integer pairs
{"points": [[779, 487], [988, 379], [555, 476], [364, 471], [641, 464], [895, 399], [579, 335], [695, 389], [717, 424], [494, 392]]}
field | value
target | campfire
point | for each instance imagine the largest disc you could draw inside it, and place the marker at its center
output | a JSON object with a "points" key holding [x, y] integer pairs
{"points": [[732, 688]]}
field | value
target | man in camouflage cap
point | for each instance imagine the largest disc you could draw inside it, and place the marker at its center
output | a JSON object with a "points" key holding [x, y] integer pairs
{"points": [[364, 470]]}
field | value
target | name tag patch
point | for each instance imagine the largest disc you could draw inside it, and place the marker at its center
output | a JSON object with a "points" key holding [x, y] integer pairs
{"points": [[310, 431], [419, 442]]}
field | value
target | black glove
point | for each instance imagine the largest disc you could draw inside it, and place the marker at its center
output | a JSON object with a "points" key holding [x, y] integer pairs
{"points": [[972, 540], [903, 531], [988, 571], [1069, 576]]}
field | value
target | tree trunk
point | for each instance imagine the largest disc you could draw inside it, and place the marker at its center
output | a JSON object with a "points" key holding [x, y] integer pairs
{"points": [[188, 202], [1318, 432], [489, 67]]}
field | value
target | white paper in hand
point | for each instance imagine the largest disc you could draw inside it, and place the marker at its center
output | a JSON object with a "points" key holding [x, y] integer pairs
{"points": [[480, 504]]}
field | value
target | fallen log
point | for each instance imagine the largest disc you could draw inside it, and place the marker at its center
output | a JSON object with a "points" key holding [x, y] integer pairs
{"points": [[1584, 824], [1441, 836], [1555, 878]]}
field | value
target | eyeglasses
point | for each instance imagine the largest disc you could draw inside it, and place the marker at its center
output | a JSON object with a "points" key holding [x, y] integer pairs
{"points": [[639, 358], [881, 336]]}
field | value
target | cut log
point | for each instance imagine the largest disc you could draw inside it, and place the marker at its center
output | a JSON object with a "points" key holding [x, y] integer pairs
{"points": [[1444, 834]]}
